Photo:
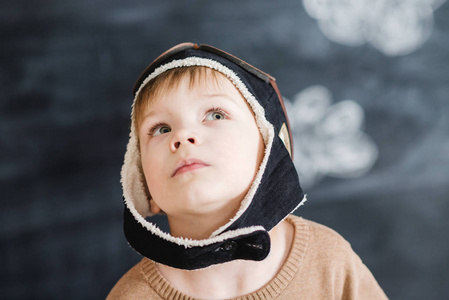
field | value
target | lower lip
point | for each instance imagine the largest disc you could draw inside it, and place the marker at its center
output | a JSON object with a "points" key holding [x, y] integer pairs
{"points": [[189, 168]]}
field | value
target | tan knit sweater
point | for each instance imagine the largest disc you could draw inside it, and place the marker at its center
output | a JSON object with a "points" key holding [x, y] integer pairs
{"points": [[321, 265]]}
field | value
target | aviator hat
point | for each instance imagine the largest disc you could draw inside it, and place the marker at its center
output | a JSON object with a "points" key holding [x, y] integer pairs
{"points": [[274, 193]]}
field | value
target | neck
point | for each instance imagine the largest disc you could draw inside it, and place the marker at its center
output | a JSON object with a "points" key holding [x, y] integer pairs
{"points": [[237, 277], [199, 226]]}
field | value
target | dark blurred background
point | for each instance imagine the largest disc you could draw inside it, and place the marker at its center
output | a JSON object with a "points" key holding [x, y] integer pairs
{"points": [[368, 91]]}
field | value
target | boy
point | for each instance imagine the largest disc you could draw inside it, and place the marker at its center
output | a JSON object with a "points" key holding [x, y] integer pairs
{"points": [[210, 147]]}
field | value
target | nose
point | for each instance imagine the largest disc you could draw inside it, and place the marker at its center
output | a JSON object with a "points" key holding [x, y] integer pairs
{"points": [[183, 137]]}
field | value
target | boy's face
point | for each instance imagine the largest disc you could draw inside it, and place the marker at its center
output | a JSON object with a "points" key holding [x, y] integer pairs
{"points": [[200, 148]]}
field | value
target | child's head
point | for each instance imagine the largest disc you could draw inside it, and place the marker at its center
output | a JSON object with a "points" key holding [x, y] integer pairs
{"points": [[209, 137], [199, 143]]}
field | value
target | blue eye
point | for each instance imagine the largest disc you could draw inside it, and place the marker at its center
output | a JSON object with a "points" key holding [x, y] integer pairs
{"points": [[159, 129], [215, 115]]}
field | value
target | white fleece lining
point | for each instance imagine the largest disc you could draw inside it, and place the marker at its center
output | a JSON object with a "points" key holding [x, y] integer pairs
{"points": [[132, 178]]}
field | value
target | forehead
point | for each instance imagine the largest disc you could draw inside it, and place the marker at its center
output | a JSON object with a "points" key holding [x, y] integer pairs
{"points": [[197, 78], [201, 80]]}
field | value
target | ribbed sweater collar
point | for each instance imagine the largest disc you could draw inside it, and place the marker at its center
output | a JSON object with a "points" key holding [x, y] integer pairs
{"points": [[270, 291]]}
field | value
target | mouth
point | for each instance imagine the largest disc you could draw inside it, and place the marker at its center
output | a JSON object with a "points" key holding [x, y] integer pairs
{"points": [[188, 165]]}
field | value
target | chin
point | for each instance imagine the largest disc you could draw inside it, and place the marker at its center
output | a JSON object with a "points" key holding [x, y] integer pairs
{"points": [[207, 203]]}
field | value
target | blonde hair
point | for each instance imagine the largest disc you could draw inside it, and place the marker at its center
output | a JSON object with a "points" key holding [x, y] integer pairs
{"points": [[168, 80]]}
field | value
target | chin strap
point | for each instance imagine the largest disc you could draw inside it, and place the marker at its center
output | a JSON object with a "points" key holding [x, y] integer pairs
{"points": [[252, 246]]}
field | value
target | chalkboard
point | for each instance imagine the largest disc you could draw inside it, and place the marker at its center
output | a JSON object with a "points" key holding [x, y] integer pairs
{"points": [[367, 90]]}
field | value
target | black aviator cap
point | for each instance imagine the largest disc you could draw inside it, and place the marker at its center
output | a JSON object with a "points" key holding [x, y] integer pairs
{"points": [[276, 194]]}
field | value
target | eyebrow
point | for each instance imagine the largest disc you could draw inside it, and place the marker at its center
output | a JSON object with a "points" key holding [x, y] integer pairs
{"points": [[148, 115], [205, 95], [220, 95]]}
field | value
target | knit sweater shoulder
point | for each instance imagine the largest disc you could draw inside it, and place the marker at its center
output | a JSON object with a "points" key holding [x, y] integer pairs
{"points": [[320, 265]]}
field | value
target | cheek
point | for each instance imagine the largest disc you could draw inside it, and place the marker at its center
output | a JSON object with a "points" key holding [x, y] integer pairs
{"points": [[152, 169], [251, 141], [243, 151]]}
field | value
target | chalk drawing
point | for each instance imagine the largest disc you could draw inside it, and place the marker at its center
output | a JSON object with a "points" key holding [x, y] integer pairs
{"points": [[328, 138], [395, 27]]}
